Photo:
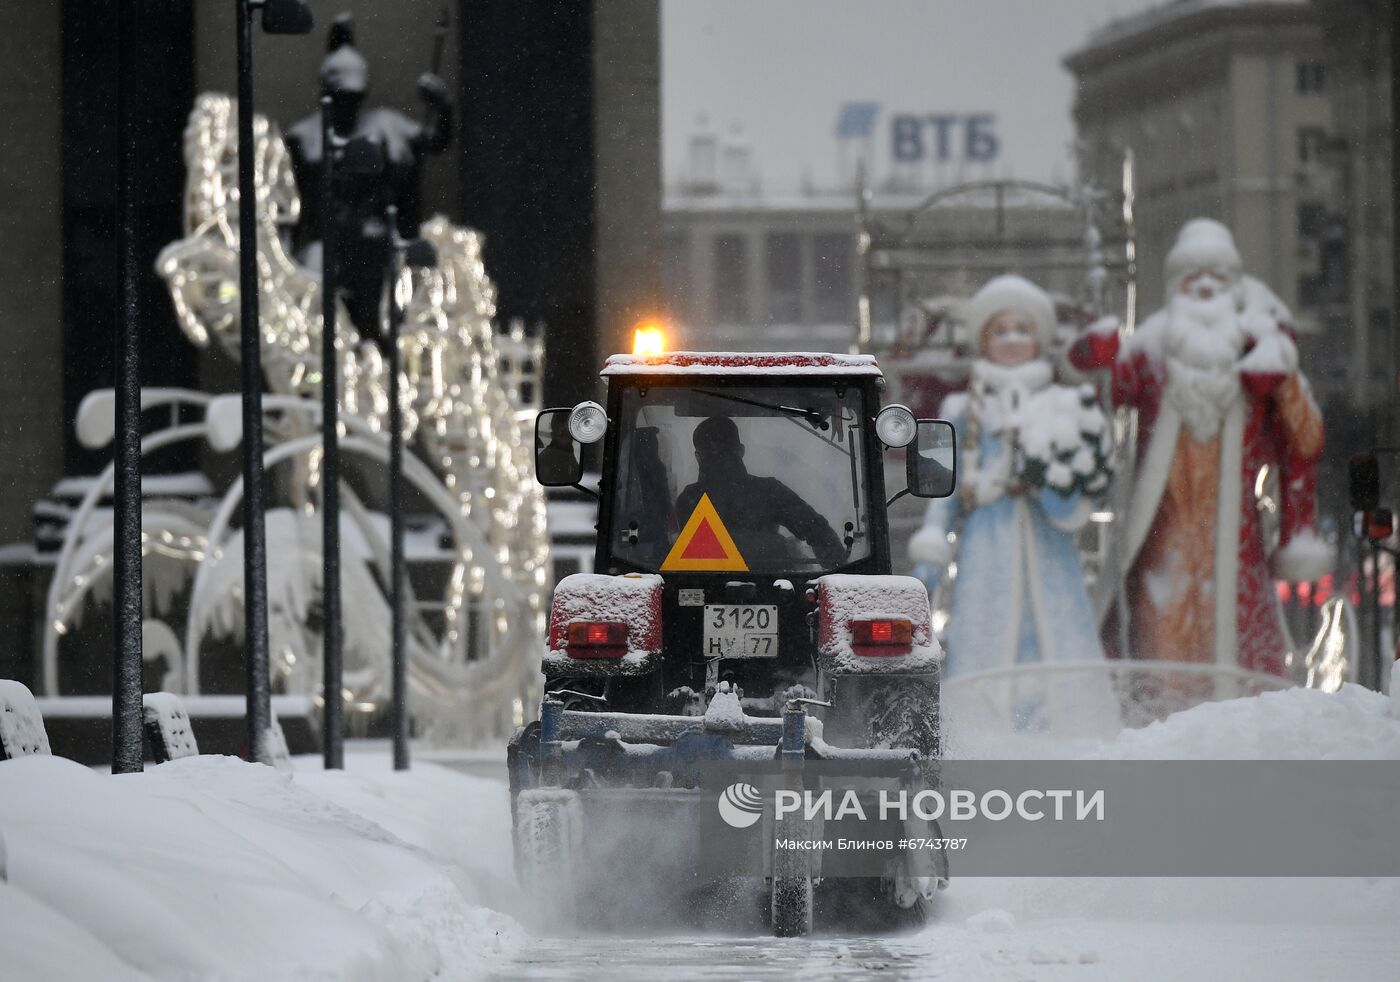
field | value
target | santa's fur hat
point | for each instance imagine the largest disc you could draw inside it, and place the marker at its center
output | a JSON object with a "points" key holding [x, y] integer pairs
{"points": [[1203, 243], [1011, 292]]}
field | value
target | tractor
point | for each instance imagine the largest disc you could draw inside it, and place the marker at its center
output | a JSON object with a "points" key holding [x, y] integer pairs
{"points": [[741, 608]]}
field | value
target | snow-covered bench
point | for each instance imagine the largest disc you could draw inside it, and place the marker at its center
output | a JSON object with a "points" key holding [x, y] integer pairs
{"points": [[168, 727], [21, 726], [171, 736]]}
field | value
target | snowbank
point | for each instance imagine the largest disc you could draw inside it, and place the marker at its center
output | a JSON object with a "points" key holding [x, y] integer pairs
{"points": [[210, 867], [1108, 928], [1291, 724]]}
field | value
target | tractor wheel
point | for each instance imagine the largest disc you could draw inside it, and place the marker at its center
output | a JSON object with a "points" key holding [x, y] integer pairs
{"points": [[792, 906]]}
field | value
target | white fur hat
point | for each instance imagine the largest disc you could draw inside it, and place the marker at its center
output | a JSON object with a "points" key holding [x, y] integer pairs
{"points": [[1203, 243], [1011, 292]]}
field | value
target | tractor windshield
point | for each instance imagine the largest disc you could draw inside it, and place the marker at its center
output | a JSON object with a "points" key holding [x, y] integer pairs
{"points": [[752, 477]]}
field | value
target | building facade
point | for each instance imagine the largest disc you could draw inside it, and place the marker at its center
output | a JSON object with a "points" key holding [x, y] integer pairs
{"points": [[1227, 111], [1275, 117], [745, 270]]}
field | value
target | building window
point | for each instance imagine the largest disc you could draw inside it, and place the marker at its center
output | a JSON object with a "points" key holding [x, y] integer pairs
{"points": [[1381, 338], [731, 281], [1312, 218], [782, 262], [1312, 141], [1312, 77], [1333, 271], [835, 299]]}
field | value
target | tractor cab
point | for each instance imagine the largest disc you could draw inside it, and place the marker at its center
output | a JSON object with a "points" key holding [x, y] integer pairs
{"points": [[742, 583], [739, 480]]}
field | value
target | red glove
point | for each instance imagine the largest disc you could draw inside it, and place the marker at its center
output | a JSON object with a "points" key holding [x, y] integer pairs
{"points": [[1094, 350]]}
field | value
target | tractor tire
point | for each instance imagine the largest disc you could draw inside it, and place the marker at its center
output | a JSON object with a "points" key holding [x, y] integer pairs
{"points": [[791, 910]]}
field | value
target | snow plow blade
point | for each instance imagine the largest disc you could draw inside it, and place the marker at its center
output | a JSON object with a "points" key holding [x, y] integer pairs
{"points": [[608, 807]]}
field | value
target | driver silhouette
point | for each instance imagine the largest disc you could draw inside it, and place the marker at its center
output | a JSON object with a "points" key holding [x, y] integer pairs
{"points": [[753, 508]]}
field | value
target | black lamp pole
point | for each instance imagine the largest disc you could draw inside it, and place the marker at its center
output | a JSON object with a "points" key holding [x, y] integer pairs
{"points": [[333, 720], [279, 17], [127, 683], [398, 598], [259, 694]]}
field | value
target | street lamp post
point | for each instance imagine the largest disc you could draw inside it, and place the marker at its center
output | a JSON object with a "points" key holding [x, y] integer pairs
{"points": [[404, 253], [278, 17], [333, 718], [396, 562], [127, 750]]}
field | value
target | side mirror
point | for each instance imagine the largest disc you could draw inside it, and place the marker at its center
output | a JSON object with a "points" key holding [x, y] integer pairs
{"points": [[931, 460], [558, 456]]}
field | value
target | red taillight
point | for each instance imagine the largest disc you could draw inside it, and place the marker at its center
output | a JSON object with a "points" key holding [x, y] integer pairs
{"points": [[882, 636], [597, 639]]}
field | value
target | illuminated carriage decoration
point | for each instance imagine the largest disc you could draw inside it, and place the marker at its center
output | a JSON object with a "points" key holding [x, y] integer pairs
{"points": [[470, 394]]}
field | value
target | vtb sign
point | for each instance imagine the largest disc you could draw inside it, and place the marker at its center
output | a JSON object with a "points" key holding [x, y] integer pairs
{"points": [[932, 136], [943, 137]]}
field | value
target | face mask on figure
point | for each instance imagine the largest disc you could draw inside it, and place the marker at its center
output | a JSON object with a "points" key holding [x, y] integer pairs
{"points": [[1009, 339]]}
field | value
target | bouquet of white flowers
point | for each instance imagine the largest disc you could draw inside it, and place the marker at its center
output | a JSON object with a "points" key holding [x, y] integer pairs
{"points": [[1063, 442]]}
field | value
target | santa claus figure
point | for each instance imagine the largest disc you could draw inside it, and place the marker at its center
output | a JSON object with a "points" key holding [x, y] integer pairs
{"points": [[1214, 377], [1033, 458]]}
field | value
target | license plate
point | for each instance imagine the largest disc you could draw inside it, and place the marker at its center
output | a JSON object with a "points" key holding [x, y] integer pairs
{"points": [[741, 631]]}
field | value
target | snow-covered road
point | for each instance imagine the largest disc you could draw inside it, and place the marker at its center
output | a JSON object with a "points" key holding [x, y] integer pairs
{"points": [[994, 946], [711, 958], [211, 868]]}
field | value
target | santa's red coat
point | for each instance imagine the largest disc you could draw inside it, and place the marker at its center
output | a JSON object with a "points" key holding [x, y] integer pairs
{"points": [[1281, 429]]}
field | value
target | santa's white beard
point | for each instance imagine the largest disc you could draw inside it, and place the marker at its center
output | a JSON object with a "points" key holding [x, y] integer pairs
{"points": [[1202, 343]]}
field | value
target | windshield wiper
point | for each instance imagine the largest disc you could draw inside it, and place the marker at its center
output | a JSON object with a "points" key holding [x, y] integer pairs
{"points": [[811, 415]]}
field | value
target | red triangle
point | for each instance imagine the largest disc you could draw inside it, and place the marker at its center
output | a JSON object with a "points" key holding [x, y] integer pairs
{"points": [[704, 544]]}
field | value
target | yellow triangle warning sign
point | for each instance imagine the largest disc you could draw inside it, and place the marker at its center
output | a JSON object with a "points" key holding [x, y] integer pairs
{"points": [[704, 545]]}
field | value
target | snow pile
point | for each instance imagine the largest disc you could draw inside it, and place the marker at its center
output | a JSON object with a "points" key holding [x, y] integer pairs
{"points": [[1291, 724], [1143, 928], [210, 867]]}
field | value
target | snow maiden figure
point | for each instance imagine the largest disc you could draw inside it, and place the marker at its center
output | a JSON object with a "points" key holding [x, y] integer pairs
{"points": [[1033, 457]]}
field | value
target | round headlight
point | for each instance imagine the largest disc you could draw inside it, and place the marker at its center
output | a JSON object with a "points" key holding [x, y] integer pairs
{"points": [[895, 426], [588, 422]]}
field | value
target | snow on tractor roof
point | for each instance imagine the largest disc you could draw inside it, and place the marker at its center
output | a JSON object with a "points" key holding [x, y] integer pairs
{"points": [[741, 363]]}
